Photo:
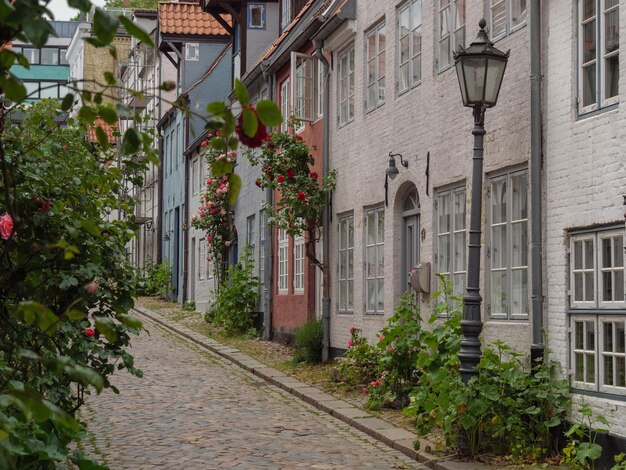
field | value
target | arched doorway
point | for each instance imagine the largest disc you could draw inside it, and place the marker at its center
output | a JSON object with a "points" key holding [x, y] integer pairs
{"points": [[410, 234]]}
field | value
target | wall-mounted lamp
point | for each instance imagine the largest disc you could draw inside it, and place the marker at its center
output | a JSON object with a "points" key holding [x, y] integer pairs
{"points": [[392, 170]]}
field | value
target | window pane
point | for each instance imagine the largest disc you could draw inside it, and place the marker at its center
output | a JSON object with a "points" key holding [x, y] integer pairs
{"points": [[381, 296], [619, 286], [519, 292], [608, 370], [589, 294], [620, 338], [579, 367], [459, 210], [343, 236], [32, 89], [371, 260], [371, 295], [591, 368], [498, 201], [579, 335], [520, 196], [589, 9], [443, 207], [589, 259], [350, 232], [343, 265], [607, 335], [499, 258], [417, 68], [381, 261], [31, 54], [611, 31], [607, 286], [371, 228], [444, 254], [498, 18], [618, 251], [498, 293], [578, 255], [590, 342], [518, 12], [578, 287], [606, 253], [350, 295], [49, 90], [620, 372], [611, 72], [343, 301], [49, 56], [520, 244], [381, 227], [459, 251]]}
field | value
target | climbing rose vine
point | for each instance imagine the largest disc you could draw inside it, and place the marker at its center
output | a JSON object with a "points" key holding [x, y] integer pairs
{"points": [[302, 195]]}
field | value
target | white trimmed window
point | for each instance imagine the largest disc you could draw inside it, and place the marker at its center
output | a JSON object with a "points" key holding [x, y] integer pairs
{"points": [[346, 87], [256, 16], [262, 217], [375, 44], [375, 261], [506, 16], [283, 261], [508, 250], [409, 35], [320, 90], [302, 87], [195, 178], [598, 54], [250, 237], [285, 13], [284, 105], [202, 261], [450, 30], [298, 264], [450, 218], [346, 264], [192, 52]]}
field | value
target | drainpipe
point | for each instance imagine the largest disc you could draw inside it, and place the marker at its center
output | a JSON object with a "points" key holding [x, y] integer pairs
{"points": [[268, 282], [159, 218], [319, 52], [187, 212], [537, 346]]}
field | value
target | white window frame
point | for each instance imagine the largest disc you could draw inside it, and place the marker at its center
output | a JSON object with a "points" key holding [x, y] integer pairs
{"points": [[346, 74], [302, 79], [283, 262], [262, 224], [285, 14], [251, 236], [377, 81], [453, 195], [319, 105], [284, 104], [508, 8], [598, 60], [509, 223], [371, 272], [584, 350], [195, 178], [202, 261], [413, 30], [449, 8], [192, 52], [345, 277], [597, 269], [298, 264], [259, 6]]}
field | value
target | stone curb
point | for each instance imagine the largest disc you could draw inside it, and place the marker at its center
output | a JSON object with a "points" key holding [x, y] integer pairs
{"points": [[397, 438]]}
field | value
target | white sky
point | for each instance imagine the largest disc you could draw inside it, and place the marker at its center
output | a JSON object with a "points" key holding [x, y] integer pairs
{"points": [[62, 11]]}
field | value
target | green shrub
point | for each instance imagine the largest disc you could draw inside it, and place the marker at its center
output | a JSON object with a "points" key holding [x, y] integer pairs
{"points": [[308, 342], [155, 279], [237, 298], [360, 365], [189, 306]]}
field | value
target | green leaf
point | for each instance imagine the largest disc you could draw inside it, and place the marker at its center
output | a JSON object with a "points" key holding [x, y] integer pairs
{"points": [[85, 376], [87, 113], [235, 187], [106, 326], [103, 140], [136, 31], [90, 226], [104, 25], [269, 113], [108, 114], [217, 108], [82, 5], [130, 321], [3, 434], [221, 168], [250, 122], [75, 315], [13, 88], [131, 142], [241, 93], [87, 463], [124, 110], [37, 29], [7, 59], [34, 312], [68, 102], [62, 418], [28, 354], [552, 422]]}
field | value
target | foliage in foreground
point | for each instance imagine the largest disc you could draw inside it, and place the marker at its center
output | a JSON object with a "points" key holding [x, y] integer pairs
{"points": [[65, 284], [308, 342]]}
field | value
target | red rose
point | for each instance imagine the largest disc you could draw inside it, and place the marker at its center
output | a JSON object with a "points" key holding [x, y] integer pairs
{"points": [[313, 175], [290, 173], [44, 205], [299, 137], [65, 147], [217, 133], [301, 196], [213, 211], [258, 183], [203, 144], [280, 178], [269, 173], [257, 139], [90, 332]]}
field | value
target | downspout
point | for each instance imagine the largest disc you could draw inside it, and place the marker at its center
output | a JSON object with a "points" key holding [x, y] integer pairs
{"points": [[268, 282], [187, 123], [159, 221], [318, 45], [537, 346]]}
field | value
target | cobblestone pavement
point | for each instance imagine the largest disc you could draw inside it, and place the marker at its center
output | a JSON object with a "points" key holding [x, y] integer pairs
{"points": [[195, 410]]}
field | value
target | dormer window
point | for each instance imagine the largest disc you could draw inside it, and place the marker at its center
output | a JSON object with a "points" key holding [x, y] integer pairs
{"points": [[256, 16], [192, 52], [285, 14]]}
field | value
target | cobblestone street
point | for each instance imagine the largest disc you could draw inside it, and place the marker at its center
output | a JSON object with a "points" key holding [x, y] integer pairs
{"points": [[195, 410]]}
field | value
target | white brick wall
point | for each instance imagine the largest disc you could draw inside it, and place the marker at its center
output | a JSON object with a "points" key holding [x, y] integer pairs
{"points": [[429, 118], [585, 174]]}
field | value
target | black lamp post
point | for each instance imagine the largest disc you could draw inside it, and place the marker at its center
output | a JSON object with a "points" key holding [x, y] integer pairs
{"points": [[480, 69]]}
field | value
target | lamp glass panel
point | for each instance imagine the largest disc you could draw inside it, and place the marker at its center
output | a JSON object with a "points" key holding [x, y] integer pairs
{"points": [[461, 78], [474, 68], [495, 73]]}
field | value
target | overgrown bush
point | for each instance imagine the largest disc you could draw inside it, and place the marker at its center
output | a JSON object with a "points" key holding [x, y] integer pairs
{"points": [[236, 299], [360, 365], [308, 342], [155, 279]]}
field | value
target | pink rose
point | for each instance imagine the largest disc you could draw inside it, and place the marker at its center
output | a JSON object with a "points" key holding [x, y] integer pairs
{"points": [[223, 212], [381, 338], [203, 144], [6, 226], [364, 389], [352, 329], [350, 343], [375, 383], [91, 288]]}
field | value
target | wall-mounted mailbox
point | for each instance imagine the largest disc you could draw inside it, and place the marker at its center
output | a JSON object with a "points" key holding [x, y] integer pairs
{"points": [[419, 278]]}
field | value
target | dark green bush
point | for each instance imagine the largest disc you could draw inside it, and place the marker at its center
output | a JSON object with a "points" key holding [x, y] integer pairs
{"points": [[308, 342], [155, 279]]}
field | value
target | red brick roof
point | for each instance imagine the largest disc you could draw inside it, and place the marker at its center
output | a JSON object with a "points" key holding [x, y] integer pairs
{"points": [[108, 129], [186, 18]]}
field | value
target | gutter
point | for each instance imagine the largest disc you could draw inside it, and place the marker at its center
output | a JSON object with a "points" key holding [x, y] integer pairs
{"points": [[537, 346], [268, 282], [319, 52]]}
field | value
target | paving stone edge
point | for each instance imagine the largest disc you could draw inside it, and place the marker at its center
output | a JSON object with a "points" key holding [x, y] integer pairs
{"points": [[299, 389]]}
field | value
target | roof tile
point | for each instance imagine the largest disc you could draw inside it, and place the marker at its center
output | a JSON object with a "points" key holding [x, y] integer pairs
{"points": [[183, 18]]}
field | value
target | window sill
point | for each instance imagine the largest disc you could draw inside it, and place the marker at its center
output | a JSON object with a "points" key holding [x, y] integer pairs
{"points": [[409, 89], [345, 312], [592, 392], [581, 116], [445, 68], [371, 110], [345, 123]]}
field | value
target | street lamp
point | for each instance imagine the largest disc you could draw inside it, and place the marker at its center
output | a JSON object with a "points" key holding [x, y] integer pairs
{"points": [[480, 69]]}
